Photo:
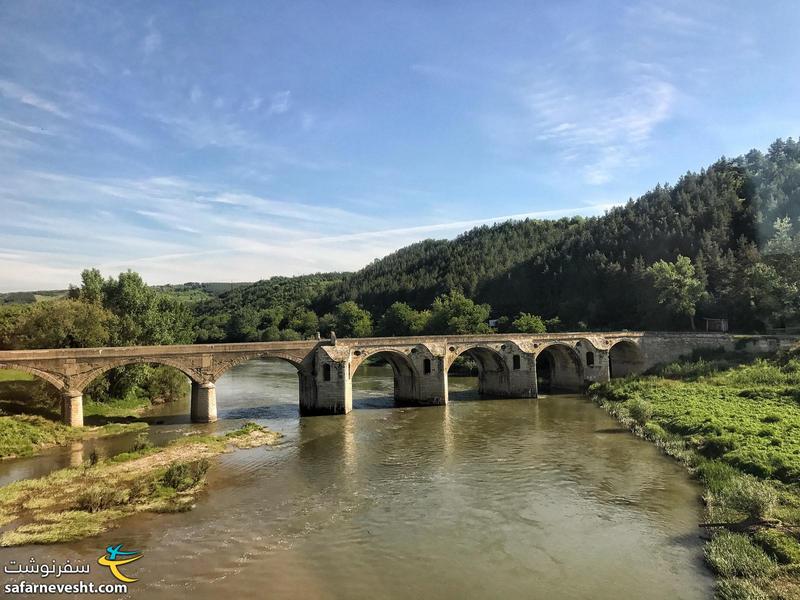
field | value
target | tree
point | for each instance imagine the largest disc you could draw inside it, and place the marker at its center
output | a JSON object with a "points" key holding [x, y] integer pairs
{"points": [[677, 287], [455, 313], [400, 319], [783, 242], [92, 284], [528, 323], [243, 325], [350, 320], [65, 324], [772, 298], [303, 321]]}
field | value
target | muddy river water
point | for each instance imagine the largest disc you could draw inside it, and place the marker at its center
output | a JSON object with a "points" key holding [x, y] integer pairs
{"points": [[544, 498]]}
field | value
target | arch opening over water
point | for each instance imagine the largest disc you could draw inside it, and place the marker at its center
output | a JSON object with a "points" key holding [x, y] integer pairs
{"points": [[387, 377], [624, 358], [558, 369], [276, 397], [477, 372]]}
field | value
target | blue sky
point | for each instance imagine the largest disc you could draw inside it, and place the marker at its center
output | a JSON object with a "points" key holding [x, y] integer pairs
{"points": [[218, 141]]}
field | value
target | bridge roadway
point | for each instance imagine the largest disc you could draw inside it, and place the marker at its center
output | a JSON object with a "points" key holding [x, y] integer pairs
{"points": [[509, 365]]}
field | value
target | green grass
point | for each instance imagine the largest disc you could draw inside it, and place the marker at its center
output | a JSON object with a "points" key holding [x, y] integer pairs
{"points": [[734, 555], [14, 375], [24, 435], [131, 406]]}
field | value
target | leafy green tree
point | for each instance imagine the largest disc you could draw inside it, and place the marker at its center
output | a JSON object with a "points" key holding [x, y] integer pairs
{"points": [[772, 298], [783, 242], [92, 285], [65, 324], [400, 320], [350, 320], [455, 313], [243, 325], [677, 287], [303, 321], [290, 335], [529, 323]]}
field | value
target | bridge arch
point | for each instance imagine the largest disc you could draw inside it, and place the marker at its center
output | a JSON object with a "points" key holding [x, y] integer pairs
{"points": [[625, 357], [54, 380], [493, 371], [226, 365], [559, 368], [405, 374], [80, 382]]}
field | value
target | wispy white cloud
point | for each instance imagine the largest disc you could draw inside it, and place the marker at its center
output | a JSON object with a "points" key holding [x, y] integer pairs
{"points": [[151, 42], [280, 102], [16, 92]]}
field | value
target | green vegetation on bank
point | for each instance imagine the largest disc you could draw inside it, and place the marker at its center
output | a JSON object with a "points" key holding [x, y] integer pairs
{"points": [[87, 500], [23, 435], [736, 426]]}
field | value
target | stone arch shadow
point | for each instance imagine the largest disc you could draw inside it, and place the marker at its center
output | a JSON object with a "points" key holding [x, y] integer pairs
{"points": [[494, 377], [625, 358], [405, 375], [559, 369]]}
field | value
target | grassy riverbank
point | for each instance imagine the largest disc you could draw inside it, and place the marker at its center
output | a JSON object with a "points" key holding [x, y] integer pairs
{"points": [[87, 500], [30, 416], [737, 428]]}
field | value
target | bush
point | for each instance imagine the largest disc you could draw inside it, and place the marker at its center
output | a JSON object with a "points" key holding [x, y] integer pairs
{"points": [[640, 411], [739, 589], [781, 546], [97, 497], [746, 494], [715, 475], [181, 476], [718, 446], [655, 432], [733, 555]]}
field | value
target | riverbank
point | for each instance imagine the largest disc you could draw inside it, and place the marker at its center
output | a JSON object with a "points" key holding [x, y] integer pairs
{"points": [[737, 429], [87, 500], [25, 435], [30, 416]]}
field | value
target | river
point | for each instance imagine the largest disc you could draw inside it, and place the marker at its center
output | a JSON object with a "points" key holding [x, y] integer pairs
{"points": [[544, 498]]}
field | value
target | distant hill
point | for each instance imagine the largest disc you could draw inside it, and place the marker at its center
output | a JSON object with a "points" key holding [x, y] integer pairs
{"points": [[191, 292]]}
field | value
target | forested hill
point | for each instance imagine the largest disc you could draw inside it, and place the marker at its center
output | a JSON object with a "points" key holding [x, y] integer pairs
{"points": [[591, 271]]}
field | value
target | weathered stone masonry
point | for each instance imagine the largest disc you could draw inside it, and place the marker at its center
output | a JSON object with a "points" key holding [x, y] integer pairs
{"points": [[509, 365]]}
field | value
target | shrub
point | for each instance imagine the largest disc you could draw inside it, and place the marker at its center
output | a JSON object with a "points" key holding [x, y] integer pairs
{"points": [[181, 476], [746, 494], [655, 432], [717, 446], [640, 411], [781, 546], [733, 555], [142, 443], [97, 497], [739, 589], [715, 475]]}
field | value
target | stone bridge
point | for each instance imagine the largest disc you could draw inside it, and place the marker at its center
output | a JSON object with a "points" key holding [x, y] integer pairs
{"points": [[509, 365]]}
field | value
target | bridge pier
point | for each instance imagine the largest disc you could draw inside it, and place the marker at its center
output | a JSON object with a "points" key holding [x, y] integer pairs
{"points": [[204, 402], [432, 388], [72, 408], [328, 390]]}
